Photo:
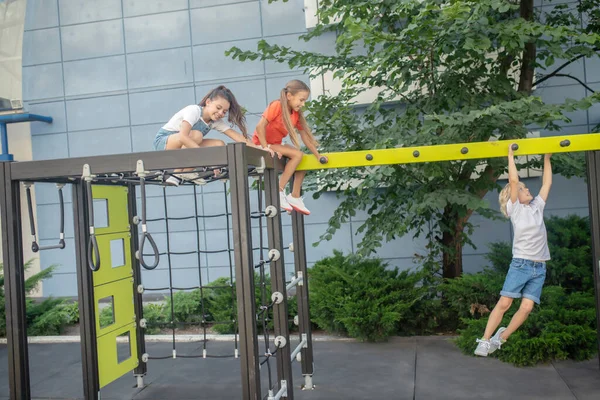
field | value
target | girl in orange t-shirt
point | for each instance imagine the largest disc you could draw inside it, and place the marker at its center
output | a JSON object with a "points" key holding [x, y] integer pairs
{"points": [[283, 117]]}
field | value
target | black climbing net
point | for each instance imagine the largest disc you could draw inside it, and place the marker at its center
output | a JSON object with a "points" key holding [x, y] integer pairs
{"points": [[206, 322]]}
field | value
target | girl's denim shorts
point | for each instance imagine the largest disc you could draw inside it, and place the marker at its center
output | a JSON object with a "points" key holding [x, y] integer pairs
{"points": [[525, 278], [160, 140]]}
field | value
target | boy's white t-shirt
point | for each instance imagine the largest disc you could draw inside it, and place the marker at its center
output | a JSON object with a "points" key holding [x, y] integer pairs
{"points": [[193, 115], [531, 240]]}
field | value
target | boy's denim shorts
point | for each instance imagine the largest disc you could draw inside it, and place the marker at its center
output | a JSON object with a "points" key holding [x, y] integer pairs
{"points": [[160, 140], [525, 278]]}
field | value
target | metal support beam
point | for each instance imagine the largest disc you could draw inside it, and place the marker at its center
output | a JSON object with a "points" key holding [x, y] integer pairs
{"points": [[277, 268], [142, 368], [14, 286], [24, 117], [244, 270], [5, 156], [85, 290], [458, 151], [15, 118], [127, 163], [299, 243], [593, 175]]}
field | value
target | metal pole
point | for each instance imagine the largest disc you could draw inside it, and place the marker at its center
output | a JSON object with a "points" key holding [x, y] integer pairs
{"points": [[244, 270], [299, 243], [85, 289], [14, 286], [277, 267], [138, 302], [593, 175], [4, 138]]}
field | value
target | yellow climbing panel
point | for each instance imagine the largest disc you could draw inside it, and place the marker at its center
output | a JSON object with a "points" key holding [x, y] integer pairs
{"points": [[114, 285], [459, 151]]}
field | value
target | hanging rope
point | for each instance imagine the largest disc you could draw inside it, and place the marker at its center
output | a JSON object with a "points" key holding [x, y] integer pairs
{"points": [[93, 254], [145, 234]]}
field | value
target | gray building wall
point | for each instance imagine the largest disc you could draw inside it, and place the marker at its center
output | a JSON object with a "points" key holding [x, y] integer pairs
{"points": [[111, 72]]}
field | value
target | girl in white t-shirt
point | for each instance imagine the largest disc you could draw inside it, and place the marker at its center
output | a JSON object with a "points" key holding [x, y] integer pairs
{"points": [[189, 126], [530, 252]]}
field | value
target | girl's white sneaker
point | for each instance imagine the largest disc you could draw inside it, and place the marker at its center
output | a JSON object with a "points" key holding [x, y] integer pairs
{"points": [[283, 203], [297, 204]]}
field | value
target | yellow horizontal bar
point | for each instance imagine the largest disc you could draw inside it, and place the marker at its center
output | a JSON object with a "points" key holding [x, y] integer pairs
{"points": [[446, 152]]}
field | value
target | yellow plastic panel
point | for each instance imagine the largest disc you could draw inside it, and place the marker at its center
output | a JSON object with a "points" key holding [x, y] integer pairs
{"points": [[108, 272], [118, 215], [109, 368], [406, 155], [122, 303]]}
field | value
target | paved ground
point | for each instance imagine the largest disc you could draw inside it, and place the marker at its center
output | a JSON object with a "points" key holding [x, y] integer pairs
{"points": [[423, 368]]}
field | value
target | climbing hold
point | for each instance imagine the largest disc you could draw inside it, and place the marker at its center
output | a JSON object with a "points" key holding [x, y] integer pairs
{"points": [[565, 143]]}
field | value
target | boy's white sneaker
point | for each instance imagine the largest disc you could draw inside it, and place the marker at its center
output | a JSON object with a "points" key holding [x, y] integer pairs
{"points": [[297, 204], [483, 348], [283, 203], [496, 341]]}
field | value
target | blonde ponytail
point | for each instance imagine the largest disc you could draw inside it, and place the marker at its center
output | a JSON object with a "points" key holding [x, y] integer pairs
{"points": [[293, 87]]}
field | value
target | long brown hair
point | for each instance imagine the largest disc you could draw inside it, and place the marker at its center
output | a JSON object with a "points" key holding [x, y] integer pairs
{"points": [[293, 87], [236, 114]]}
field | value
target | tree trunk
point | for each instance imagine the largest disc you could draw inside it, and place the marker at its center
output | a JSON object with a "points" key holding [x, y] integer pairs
{"points": [[452, 254], [529, 52], [452, 239]]}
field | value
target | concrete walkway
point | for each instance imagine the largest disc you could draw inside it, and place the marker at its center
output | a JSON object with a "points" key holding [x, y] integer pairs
{"points": [[422, 368]]}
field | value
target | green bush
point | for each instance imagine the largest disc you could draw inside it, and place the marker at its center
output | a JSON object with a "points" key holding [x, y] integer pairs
{"points": [[185, 307], [154, 313], [47, 317], [472, 295], [72, 311], [220, 307], [571, 251], [363, 297]]}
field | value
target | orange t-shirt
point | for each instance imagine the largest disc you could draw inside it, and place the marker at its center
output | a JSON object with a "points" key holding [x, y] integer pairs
{"points": [[275, 129]]}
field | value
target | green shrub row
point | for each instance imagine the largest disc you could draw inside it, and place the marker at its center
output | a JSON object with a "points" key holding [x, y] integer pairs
{"points": [[366, 299]]}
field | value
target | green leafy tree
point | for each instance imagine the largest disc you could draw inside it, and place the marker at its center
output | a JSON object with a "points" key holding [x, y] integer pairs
{"points": [[444, 72]]}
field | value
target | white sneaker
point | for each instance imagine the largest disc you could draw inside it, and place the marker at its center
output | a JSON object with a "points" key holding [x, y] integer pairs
{"points": [[283, 203], [297, 204], [173, 181], [496, 341], [193, 177], [483, 348]]}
